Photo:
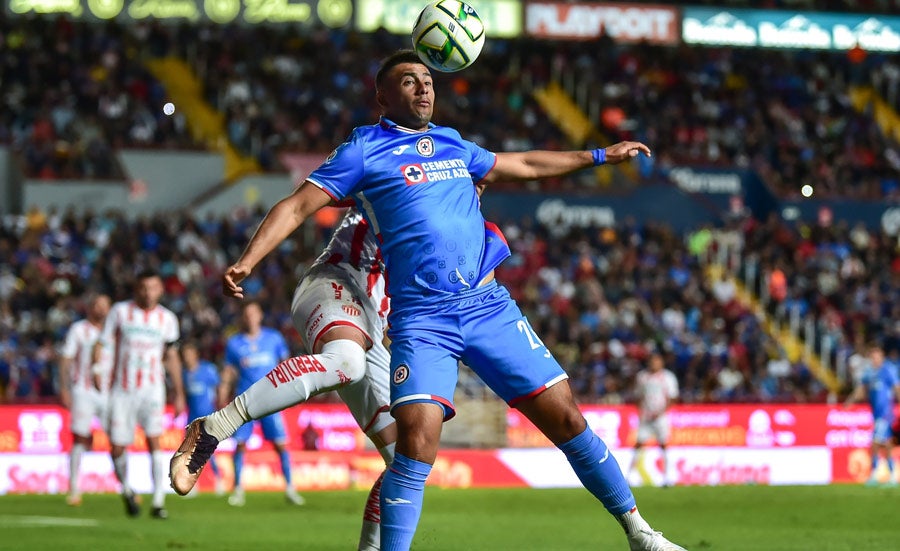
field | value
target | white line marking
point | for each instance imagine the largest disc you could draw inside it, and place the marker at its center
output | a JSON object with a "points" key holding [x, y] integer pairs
{"points": [[12, 520]]}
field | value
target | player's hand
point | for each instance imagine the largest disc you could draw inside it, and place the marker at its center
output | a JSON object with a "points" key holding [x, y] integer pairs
{"points": [[234, 275], [179, 405], [623, 151], [65, 398]]}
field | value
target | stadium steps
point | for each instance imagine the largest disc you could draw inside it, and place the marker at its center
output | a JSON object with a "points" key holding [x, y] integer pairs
{"points": [[577, 126], [207, 125], [793, 346], [866, 100]]}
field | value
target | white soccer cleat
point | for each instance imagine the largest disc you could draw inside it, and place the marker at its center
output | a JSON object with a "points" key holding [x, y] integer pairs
{"points": [[193, 453], [651, 540], [292, 496], [236, 499]]}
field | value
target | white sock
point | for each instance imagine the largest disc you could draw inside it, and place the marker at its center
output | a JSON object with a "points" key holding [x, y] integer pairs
{"points": [[370, 536], [291, 382], [633, 522], [74, 468], [665, 466], [120, 466], [158, 471]]}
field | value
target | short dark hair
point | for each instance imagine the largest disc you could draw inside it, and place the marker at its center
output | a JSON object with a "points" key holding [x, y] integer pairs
{"points": [[391, 61], [146, 273]]}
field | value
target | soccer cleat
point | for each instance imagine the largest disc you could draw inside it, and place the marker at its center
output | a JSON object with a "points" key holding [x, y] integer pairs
{"points": [[132, 508], [237, 498], [292, 496], [193, 453], [73, 500], [651, 540], [160, 513]]}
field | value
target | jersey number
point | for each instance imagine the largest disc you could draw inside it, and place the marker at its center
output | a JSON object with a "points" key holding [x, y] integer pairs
{"points": [[533, 339]]}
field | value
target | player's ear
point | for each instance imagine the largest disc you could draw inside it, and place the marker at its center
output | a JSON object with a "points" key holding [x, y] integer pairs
{"points": [[379, 97]]}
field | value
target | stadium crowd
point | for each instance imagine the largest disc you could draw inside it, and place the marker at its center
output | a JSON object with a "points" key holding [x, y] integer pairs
{"points": [[601, 298], [784, 114]]}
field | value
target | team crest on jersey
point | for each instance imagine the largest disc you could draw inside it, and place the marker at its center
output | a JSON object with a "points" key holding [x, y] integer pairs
{"points": [[425, 146], [401, 374], [414, 174], [351, 310]]}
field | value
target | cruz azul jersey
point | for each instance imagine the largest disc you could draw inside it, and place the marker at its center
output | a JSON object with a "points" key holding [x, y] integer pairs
{"points": [[254, 357], [880, 383], [200, 389], [138, 339], [417, 192], [79, 347]]}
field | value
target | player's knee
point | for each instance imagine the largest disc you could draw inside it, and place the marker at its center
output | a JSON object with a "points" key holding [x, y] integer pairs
{"points": [[347, 356]]}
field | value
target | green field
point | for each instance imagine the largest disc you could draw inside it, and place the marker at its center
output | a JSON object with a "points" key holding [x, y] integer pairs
{"points": [[739, 518]]}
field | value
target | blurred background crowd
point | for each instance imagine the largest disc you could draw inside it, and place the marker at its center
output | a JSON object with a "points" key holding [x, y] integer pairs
{"points": [[602, 299]]}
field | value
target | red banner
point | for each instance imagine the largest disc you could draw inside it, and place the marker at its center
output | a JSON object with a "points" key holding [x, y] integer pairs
{"points": [[621, 22], [743, 425]]}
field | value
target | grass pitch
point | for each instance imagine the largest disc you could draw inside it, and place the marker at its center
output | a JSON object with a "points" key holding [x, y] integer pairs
{"points": [[737, 518]]}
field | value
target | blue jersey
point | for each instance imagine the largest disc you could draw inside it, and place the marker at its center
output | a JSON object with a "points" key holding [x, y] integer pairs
{"points": [[253, 358], [416, 189], [200, 389], [880, 383]]}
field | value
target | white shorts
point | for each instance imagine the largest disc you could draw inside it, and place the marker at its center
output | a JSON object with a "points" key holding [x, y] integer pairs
{"points": [[88, 403], [329, 296], [129, 408], [657, 428]]}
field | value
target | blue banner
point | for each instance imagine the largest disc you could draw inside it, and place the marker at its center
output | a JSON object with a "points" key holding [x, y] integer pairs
{"points": [[787, 29]]}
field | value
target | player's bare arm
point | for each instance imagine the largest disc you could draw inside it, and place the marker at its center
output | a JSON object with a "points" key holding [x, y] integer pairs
{"points": [[65, 396], [226, 385], [281, 220], [172, 363], [534, 165], [859, 392]]}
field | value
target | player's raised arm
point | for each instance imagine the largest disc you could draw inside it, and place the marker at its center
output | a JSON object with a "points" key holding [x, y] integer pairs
{"points": [[281, 220], [534, 165]]}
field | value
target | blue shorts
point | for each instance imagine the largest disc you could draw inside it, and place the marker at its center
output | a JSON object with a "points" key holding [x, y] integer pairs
{"points": [[486, 330], [272, 428], [882, 432]]}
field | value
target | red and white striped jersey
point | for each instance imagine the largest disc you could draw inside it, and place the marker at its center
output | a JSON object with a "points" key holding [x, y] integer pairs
{"points": [[354, 247], [79, 347], [655, 391], [353, 244], [138, 339]]}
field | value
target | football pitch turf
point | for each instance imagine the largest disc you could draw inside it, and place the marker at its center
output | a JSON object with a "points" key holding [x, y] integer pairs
{"points": [[734, 518]]}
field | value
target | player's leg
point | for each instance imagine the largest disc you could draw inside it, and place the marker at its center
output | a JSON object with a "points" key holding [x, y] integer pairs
{"points": [[880, 433], [661, 428], [274, 431], [368, 401], [150, 417], [82, 412], [424, 374], [504, 351], [337, 335], [237, 497], [122, 422]]}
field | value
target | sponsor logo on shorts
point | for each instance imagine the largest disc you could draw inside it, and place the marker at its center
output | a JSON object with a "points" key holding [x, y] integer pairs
{"points": [[350, 310], [338, 289], [425, 146], [401, 374]]}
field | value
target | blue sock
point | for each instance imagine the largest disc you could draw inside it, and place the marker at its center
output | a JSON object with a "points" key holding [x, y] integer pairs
{"points": [[890, 463], [285, 466], [402, 492], [214, 467], [599, 471], [238, 467], [874, 463]]}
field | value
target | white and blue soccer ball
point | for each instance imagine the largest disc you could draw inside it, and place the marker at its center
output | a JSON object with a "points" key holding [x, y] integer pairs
{"points": [[448, 35]]}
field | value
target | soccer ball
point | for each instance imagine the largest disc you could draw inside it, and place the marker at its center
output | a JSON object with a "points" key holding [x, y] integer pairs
{"points": [[448, 35]]}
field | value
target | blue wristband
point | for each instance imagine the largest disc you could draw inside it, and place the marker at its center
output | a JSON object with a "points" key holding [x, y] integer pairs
{"points": [[599, 156]]}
